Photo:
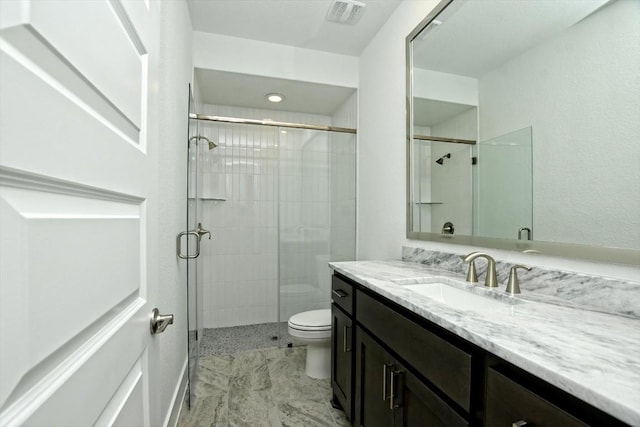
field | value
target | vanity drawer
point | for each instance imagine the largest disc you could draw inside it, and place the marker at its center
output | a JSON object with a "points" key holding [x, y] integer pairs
{"points": [[442, 363], [509, 403], [342, 294]]}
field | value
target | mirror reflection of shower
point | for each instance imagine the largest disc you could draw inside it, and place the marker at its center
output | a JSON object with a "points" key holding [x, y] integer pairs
{"points": [[197, 138], [441, 159]]}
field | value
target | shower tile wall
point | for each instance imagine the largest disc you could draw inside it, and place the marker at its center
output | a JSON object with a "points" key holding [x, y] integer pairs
{"points": [[239, 266]]}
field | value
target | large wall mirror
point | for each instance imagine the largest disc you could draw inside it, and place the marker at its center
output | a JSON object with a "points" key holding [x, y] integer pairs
{"points": [[523, 127]]}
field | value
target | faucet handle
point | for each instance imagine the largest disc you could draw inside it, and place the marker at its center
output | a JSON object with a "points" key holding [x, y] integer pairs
{"points": [[513, 285], [472, 276]]}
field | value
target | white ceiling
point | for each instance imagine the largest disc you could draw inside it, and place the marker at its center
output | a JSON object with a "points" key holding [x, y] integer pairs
{"points": [[241, 90], [299, 23], [478, 36]]}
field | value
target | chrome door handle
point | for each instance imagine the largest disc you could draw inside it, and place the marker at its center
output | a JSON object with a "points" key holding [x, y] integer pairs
{"points": [[159, 322], [179, 244]]}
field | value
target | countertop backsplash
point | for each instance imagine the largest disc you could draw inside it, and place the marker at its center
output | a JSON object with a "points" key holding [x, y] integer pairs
{"points": [[567, 288]]}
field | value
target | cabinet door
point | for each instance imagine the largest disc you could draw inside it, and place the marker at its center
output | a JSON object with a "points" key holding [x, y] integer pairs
{"points": [[341, 358], [416, 405], [509, 403], [373, 365]]}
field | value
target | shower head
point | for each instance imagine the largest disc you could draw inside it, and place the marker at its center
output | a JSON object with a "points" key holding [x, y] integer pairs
{"points": [[441, 159], [197, 138]]}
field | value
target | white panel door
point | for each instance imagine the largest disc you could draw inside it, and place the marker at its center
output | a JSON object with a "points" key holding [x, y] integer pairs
{"points": [[78, 212]]}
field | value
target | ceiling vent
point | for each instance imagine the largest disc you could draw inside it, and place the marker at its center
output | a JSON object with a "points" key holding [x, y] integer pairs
{"points": [[345, 11]]}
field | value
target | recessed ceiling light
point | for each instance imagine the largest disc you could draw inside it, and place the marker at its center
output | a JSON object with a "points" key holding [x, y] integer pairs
{"points": [[274, 97]]}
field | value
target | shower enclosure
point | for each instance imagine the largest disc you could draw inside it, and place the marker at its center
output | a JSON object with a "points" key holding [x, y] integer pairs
{"points": [[279, 200]]}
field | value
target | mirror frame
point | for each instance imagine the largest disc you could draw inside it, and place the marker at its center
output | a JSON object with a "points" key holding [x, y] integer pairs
{"points": [[565, 250]]}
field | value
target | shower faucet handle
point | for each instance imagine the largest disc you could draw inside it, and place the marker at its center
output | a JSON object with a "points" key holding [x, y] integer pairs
{"points": [[202, 232]]}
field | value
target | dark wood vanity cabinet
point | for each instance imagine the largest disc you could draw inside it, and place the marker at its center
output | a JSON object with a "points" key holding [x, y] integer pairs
{"points": [[371, 387], [391, 367], [342, 359], [342, 338], [389, 394]]}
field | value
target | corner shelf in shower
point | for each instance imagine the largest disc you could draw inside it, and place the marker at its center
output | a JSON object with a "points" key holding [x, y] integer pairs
{"points": [[210, 199], [429, 203]]}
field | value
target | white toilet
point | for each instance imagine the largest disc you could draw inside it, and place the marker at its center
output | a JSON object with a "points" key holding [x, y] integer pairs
{"points": [[313, 328]]}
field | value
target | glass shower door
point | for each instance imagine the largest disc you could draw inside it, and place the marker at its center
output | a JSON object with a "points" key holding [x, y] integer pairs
{"points": [[191, 242], [505, 205], [316, 205]]}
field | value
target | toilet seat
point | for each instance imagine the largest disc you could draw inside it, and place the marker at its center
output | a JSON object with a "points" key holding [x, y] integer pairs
{"points": [[314, 320]]}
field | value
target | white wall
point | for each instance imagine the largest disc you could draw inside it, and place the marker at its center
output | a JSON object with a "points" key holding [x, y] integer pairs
{"points": [[225, 53], [175, 74], [382, 136], [381, 176]]}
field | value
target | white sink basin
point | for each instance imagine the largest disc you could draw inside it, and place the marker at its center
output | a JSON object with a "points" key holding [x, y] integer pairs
{"points": [[457, 298]]}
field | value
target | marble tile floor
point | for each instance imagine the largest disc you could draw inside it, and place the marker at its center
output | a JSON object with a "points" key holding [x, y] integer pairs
{"points": [[263, 387]]}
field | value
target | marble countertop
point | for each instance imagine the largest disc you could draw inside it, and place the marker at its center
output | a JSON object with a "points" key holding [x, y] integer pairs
{"points": [[592, 355]]}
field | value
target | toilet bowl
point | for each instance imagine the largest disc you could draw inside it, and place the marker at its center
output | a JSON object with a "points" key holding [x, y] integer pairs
{"points": [[313, 328]]}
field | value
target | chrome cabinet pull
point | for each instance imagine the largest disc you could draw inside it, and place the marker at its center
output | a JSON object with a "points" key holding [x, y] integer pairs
{"points": [[339, 293], [521, 423], [392, 395], [345, 348], [384, 380], [159, 322]]}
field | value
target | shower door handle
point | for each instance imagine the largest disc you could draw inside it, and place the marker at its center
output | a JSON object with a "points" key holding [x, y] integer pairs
{"points": [[179, 244]]}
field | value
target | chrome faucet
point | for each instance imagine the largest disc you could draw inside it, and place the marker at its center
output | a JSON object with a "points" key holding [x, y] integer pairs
{"points": [[491, 279]]}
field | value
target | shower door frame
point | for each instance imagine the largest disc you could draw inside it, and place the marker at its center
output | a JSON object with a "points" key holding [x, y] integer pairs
{"points": [[193, 303]]}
